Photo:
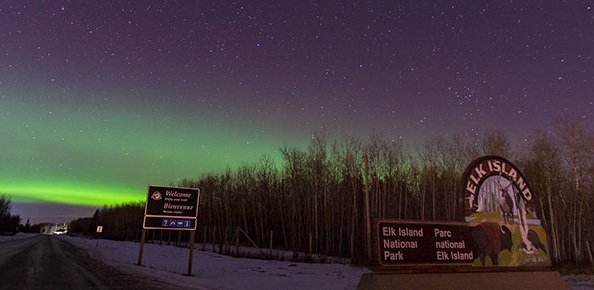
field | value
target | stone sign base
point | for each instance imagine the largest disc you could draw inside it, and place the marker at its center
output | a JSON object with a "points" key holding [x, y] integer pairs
{"points": [[541, 280]]}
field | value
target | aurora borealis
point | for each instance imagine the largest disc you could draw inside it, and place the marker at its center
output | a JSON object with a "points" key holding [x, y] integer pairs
{"points": [[100, 99], [90, 158]]}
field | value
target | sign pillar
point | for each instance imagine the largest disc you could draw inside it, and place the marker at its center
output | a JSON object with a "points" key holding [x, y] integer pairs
{"points": [[99, 231], [142, 236], [192, 237]]}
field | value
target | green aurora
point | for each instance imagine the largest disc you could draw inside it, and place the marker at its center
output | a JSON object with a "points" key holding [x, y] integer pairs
{"points": [[85, 154]]}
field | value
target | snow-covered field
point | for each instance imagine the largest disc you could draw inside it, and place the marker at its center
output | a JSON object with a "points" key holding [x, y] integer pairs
{"points": [[580, 282], [214, 271]]}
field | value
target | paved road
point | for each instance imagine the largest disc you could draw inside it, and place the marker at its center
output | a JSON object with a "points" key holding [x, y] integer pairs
{"points": [[48, 262]]}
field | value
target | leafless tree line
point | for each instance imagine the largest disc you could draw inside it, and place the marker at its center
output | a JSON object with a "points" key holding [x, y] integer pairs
{"points": [[9, 222], [320, 198]]}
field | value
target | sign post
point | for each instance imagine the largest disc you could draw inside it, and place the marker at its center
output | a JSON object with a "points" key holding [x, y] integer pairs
{"points": [[171, 208], [99, 231]]}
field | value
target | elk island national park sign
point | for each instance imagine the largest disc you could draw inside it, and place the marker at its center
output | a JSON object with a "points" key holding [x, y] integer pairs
{"points": [[498, 226], [498, 241]]}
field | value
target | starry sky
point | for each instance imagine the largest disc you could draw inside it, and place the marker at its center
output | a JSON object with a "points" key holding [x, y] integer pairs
{"points": [[99, 99]]}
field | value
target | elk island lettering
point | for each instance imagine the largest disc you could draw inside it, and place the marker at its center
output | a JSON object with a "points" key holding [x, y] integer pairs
{"points": [[416, 243], [402, 232], [396, 243], [455, 247]]}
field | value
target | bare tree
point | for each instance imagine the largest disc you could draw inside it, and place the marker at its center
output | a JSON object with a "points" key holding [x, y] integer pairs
{"points": [[8, 221], [495, 142], [578, 145], [543, 167]]}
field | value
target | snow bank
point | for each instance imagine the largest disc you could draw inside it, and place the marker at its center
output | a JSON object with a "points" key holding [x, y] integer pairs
{"points": [[214, 271]]}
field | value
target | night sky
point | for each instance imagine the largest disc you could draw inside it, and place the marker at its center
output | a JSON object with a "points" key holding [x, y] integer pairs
{"points": [[99, 99]]}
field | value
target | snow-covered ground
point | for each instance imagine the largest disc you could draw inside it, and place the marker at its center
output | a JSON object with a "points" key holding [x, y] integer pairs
{"points": [[580, 282], [214, 271]]}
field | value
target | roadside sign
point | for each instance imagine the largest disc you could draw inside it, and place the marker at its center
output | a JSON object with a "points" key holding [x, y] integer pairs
{"points": [[172, 208]]}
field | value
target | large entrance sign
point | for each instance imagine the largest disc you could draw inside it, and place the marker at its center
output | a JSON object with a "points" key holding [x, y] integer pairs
{"points": [[498, 226], [173, 208], [497, 243]]}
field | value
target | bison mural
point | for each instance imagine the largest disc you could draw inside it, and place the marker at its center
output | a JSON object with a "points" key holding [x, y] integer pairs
{"points": [[489, 240]]}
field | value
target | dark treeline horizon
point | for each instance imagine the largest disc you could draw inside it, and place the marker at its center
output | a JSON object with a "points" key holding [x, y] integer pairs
{"points": [[315, 201]]}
